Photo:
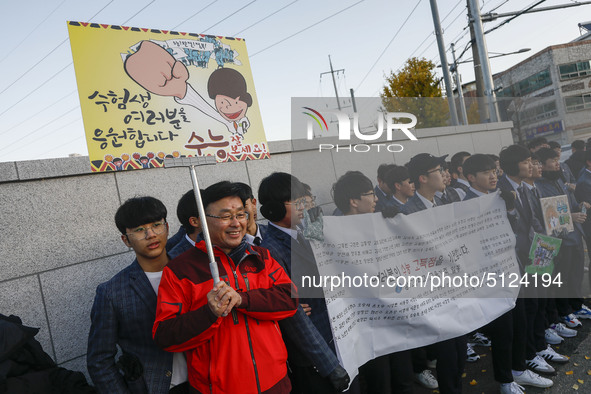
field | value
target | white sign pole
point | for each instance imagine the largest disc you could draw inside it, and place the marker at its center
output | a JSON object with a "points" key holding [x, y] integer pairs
{"points": [[192, 162]]}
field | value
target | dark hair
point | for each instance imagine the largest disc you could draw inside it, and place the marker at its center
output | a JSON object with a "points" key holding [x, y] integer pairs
{"points": [[398, 174], [383, 170], [546, 153], [587, 157], [137, 211], [220, 190], [477, 163], [187, 208], [554, 144], [228, 82], [245, 189], [275, 190], [493, 157], [536, 142], [578, 145], [510, 157], [457, 160], [535, 157], [308, 189], [351, 185]]}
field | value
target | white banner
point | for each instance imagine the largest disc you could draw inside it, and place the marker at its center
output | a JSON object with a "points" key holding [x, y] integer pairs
{"points": [[397, 284]]}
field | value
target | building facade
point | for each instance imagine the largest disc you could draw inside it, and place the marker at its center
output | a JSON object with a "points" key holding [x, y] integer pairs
{"points": [[549, 94]]}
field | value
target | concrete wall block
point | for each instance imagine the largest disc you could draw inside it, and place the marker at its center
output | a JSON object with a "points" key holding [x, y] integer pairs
{"points": [[506, 139], [169, 184], [69, 294], [57, 222], [317, 170], [8, 172], [450, 145], [423, 145], [276, 147], [51, 168], [259, 169], [22, 297], [486, 142]]}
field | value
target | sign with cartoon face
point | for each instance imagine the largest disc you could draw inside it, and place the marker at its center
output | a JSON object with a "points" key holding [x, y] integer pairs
{"points": [[556, 211], [147, 95]]}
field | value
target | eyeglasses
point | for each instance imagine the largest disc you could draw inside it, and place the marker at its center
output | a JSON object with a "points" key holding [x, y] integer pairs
{"points": [[300, 203], [440, 169], [240, 216], [140, 233], [372, 193]]}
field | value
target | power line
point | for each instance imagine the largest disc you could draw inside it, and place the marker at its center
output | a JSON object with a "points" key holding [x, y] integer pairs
{"points": [[67, 143], [50, 52], [387, 46], [37, 113], [306, 28], [431, 33], [268, 16], [195, 14], [136, 14], [34, 90], [60, 128], [37, 129], [231, 14], [32, 31], [519, 14], [34, 65]]}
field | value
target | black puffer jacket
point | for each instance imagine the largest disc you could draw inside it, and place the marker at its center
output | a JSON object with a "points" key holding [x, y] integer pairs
{"points": [[26, 368]]}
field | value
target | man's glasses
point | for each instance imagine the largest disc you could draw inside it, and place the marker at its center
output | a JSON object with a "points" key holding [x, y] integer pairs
{"points": [[300, 203], [140, 233], [440, 170], [240, 216], [372, 194]]}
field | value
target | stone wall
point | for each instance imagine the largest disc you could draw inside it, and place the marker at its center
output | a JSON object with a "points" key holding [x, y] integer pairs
{"points": [[59, 240]]}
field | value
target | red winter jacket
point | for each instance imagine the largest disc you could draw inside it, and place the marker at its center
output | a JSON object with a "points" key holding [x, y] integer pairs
{"points": [[242, 352]]}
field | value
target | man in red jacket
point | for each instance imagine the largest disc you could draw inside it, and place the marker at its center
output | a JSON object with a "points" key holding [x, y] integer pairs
{"points": [[228, 331]]}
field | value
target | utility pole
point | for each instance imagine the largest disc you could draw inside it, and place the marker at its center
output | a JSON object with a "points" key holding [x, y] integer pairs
{"points": [[444, 66], [480, 44], [459, 86], [332, 72], [482, 108], [353, 100]]}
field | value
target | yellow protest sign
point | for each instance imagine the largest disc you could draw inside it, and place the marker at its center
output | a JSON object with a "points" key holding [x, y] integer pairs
{"points": [[149, 94]]}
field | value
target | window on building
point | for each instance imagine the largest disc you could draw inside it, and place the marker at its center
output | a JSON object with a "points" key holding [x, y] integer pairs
{"points": [[539, 112], [534, 82], [527, 85], [577, 103], [574, 70]]}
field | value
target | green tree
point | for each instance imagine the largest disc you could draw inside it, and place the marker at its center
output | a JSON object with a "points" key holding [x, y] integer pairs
{"points": [[416, 89]]}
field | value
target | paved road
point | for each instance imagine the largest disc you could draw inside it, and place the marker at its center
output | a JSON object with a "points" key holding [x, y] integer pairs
{"points": [[565, 378]]}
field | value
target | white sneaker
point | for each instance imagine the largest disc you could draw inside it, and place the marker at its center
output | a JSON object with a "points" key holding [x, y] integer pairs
{"points": [[479, 339], [550, 354], [563, 331], [529, 378], [432, 364], [571, 321], [427, 380], [511, 388], [552, 337], [539, 365], [471, 355], [583, 313]]}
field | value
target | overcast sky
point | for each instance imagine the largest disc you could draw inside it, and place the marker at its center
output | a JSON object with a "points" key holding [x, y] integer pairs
{"points": [[289, 42]]}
